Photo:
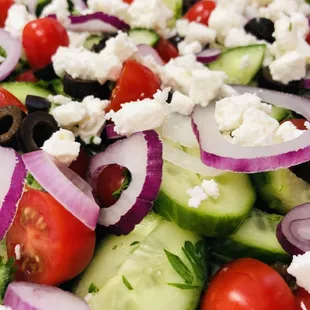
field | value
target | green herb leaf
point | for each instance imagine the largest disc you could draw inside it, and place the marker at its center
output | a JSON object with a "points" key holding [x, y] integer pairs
{"points": [[134, 243], [124, 185], [33, 183], [179, 267], [7, 271], [93, 289], [115, 246], [290, 27], [184, 286], [127, 283]]}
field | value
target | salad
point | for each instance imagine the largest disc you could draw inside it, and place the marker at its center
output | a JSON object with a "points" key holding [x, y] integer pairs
{"points": [[154, 154]]}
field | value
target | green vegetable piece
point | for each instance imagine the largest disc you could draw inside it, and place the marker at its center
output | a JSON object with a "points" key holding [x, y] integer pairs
{"points": [[33, 183], [127, 283], [183, 286], [7, 271], [134, 243], [93, 289]]}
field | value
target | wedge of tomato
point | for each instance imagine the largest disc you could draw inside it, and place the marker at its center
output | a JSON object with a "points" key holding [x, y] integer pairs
{"points": [[6, 98]]}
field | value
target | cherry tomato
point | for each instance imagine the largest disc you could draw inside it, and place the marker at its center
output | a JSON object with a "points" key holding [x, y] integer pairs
{"points": [[128, 1], [248, 284], [80, 165], [41, 38], [4, 8], [200, 12], [6, 98], [308, 38], [110, 181], [302, 299], [166, 50], [298, 122], [55, 246], [26, 76], [136, 82]]}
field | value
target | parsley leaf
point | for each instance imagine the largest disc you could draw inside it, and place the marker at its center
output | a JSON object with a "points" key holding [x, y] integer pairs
{"points": [[183, 286], [124, 185], [127, 283], [7, 271], [93, 289], [134, 243], [33, 183]]}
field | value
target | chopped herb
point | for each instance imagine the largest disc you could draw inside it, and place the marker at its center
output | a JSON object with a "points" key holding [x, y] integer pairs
{"points": [[7, 271], [290, 27], [184, 286], [2, 52], [134, 243], [124, 185], [179, 267], [115, 246], [127, 283], [33, 183], [93, 289]]}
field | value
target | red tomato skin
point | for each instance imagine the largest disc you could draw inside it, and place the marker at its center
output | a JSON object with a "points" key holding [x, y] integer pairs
{"points": [[248, 284], [4, 8], [302, 299], [166, 50], [200, 12], [136, 82], [308, 38], [128, 1], [80, 165], [27, 76], [298, 122], [7, 98], [64, 248], [41, 38]]}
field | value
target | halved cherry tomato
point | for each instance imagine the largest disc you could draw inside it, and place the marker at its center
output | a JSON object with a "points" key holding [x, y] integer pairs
{"points": [[200, 12], [166, 50], [136, 82], [298, 122], [80, 165], [308, 38], [128, 1], [4, 8], [109, 182], [26, 76], [302, 299], [6, 98], [41, 38], [55, 245], [248, 284]]}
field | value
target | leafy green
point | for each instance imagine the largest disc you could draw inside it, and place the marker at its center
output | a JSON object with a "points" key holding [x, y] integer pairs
{"points": [[93, 289], [33, 183], [134, 243], [127, 283], [124, 185], [183, 286], [115, 246], [7, 271]]}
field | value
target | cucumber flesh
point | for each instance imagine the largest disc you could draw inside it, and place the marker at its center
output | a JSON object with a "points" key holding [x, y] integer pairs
{"points": [[279, 113], [255, 238], [176, 7], [144, 36], [21, 89], [219, 217], [281, 189], [231, 62]]}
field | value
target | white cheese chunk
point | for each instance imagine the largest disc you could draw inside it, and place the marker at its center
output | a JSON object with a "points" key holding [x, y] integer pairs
{"points": [[211, 188], [238, 37], [116, 7], [288, 131], [58, 7], [189, 48], [181, 103], [197, 195]]}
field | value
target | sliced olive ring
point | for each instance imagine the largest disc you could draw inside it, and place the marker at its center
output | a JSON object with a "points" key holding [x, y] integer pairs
{"points": [[79, 89], [10, 120], [97, 48], [35, 129], [36, 103], [46, 73]]}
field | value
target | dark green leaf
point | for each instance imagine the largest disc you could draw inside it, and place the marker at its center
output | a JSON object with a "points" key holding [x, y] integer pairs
{"points": [[33, 183], [124, 185], [179, 267], [115, 246], [93, 289], [184, 286], [127, 283], [134, 243], [7, 271]]}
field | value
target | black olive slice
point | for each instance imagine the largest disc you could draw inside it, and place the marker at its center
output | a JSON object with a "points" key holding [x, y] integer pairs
{"points": [[97, 48], [37, 103], [35, 129], [46, 73], [187, 4], [261, 28], [10, 120], [175, 40], [78, 88]]}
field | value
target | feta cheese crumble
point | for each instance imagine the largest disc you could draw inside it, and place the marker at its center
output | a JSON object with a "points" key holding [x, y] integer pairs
{"points": [[181, 103], [58, 7], [62, 146], [17, 251]]}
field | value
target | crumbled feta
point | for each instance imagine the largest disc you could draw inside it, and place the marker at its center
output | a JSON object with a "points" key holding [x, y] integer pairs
{"points": [[5, 308], [2, 59], [197, 195], [262, 2], [58, 7], [182, 26], [18, 17], [141, 115], [288, 131], [238, 37], [77, 39], [62, 146], [116, 7], [88, 297], [205, 85], [307, 125], [189, 48], [17, 251], [227, 91], [229, 111], [300, 268], [290, 67], [181, 103], [59, 99], [245, 61], [301, 23], [151, 14], [200, 33], [211, 188]]}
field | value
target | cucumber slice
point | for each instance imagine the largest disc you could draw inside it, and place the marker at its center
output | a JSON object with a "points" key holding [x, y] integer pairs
{"points": [[279, 113], [176, 7], [212, 218], [91, 41], [255, 238], [144, 36], [231, 63], [281, 189], [21, 89], [146, 272]]}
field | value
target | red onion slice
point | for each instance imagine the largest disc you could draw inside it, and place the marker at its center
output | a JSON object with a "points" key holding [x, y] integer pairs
{"points": [[146, 50], [307, 83], [13, 173], [293, 232], [64, 185], [141, 154], [13, 50], [219, 153], [29, 296], [111, 133], [208, 55]]}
